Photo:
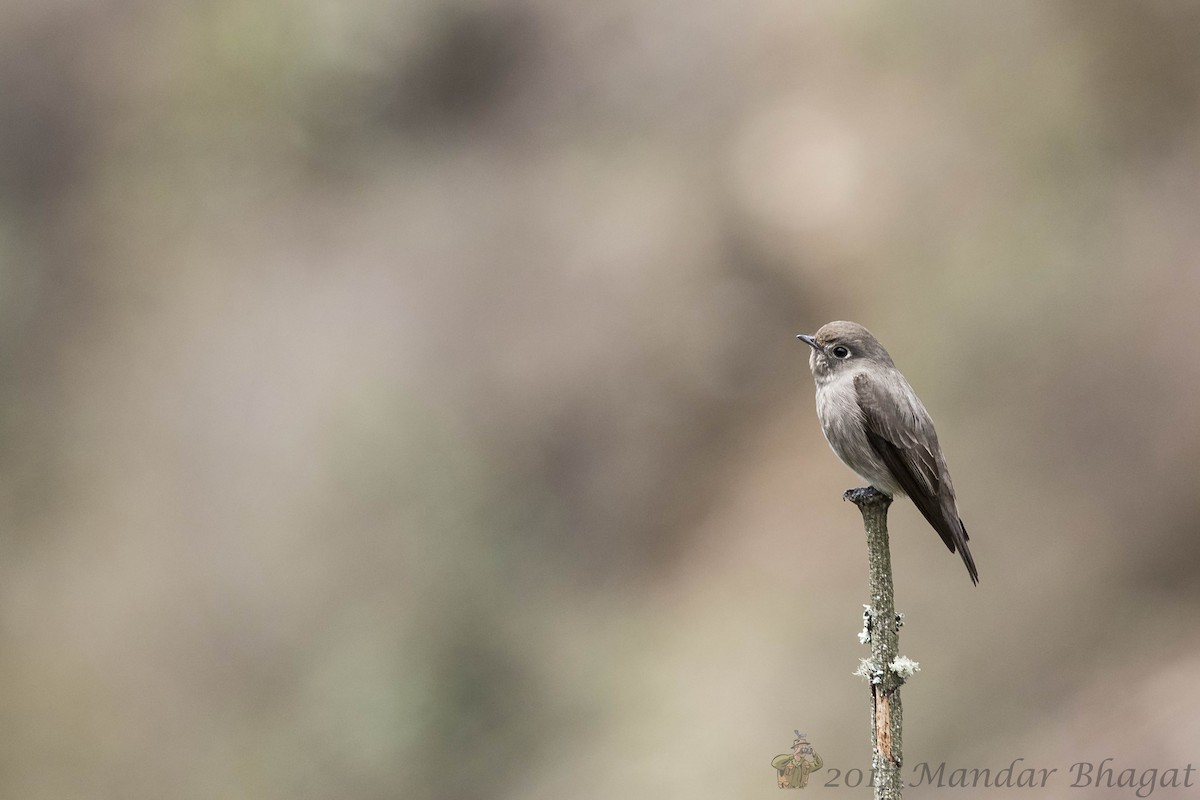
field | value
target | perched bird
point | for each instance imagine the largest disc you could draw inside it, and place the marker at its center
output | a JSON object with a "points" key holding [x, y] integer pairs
{"points": [[878, 427]]}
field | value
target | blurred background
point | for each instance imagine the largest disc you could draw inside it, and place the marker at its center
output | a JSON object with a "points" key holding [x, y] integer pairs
{"points": [[401, 400]]}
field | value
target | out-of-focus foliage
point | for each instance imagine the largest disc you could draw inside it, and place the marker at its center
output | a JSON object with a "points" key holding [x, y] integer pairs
{"points": [[400, 399]]}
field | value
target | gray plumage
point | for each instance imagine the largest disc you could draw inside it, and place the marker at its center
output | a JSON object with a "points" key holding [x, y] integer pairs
{"points": [[878, 427]]}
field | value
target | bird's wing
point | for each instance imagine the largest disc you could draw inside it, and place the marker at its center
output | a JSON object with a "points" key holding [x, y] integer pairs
{"points": [[896, 430]]}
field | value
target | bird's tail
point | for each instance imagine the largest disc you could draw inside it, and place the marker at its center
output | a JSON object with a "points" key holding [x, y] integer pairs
{"points": [[965, 552]]}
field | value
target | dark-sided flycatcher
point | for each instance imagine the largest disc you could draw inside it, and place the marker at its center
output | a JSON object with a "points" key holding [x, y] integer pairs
{"points": [[878, 427]]}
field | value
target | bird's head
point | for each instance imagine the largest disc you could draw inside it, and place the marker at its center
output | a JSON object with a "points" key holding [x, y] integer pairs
{"points": [[841, 346]]}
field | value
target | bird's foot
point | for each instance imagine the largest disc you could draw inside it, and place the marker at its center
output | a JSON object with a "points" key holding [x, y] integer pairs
{"points": [[866, 494]]}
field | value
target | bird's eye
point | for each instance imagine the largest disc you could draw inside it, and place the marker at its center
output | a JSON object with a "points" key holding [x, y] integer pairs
{"points": [[841, 352]]}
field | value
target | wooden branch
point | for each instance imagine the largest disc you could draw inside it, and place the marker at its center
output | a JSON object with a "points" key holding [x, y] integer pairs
{"points": [[882, 632]]}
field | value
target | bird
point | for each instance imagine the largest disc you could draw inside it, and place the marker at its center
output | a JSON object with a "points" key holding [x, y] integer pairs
{"points": [[879, 428]]}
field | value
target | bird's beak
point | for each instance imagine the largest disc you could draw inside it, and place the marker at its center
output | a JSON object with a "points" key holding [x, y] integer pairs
{"points": [[810, 341]]}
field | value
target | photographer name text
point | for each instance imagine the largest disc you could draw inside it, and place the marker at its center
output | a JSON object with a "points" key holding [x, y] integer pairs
{"points": [[1106, 774]]}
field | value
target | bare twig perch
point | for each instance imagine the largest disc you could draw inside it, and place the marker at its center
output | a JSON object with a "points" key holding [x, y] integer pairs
{"points": [[885, 670]]}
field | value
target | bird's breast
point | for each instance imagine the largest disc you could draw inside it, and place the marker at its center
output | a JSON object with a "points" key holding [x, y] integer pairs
{"points": [[842, 423]]}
